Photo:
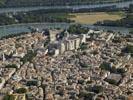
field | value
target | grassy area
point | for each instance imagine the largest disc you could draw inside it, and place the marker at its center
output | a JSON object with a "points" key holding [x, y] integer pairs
{"points": [[91, 18], [2, 2], [126, 21], [120, 13]]}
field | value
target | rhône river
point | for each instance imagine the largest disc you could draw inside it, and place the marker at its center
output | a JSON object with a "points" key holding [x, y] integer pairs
{"points": [[18, 28], [25, 9]]}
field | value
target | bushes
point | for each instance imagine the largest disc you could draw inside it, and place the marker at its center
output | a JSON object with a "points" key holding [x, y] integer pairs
{"points": [[77, 29], [46, 42], [9, 97], [97, 89], [32, 83], [21, 90], [128, 49], [81, 81], [106, 66], [29, 56], [83, 46], [11, 66], [111, 81], [117, 40], [0, 80], [121, 70], [131, 32], [83, 64], [86, 95]]}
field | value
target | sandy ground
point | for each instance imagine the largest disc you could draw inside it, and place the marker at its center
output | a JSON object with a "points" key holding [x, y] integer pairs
{"points": [[91, 18]]}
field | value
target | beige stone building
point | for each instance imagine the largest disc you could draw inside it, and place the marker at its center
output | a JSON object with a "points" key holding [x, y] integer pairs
{"points": [[68, 43]]}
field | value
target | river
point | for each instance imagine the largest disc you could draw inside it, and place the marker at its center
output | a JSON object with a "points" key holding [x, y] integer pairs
{"points": [[18, 28], [25, 9]]}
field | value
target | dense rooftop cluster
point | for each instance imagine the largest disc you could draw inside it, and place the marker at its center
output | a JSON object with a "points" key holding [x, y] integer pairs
{"points": [[96, 69]]}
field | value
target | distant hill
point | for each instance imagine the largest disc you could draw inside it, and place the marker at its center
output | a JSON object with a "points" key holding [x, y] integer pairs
{"points": [[19, 3]]}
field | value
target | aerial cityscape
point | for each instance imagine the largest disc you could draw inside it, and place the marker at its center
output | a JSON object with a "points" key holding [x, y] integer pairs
{"points": [[66, 49]]}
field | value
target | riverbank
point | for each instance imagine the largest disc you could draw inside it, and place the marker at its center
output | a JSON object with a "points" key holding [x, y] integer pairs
{"points": [[19, 28], [34, 17]]}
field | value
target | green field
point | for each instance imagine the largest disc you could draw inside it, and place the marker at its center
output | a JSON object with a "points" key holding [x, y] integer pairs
{"points": [[120, 13]]}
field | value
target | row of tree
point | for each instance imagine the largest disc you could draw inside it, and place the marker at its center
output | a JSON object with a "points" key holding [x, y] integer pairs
{"points": [[32, 17]]}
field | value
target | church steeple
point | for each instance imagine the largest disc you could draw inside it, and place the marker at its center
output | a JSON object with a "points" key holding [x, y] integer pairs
{"points": [[3, 57], [66, 34]]}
